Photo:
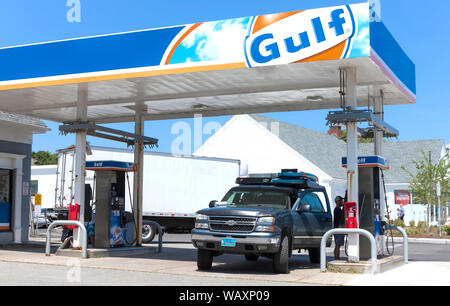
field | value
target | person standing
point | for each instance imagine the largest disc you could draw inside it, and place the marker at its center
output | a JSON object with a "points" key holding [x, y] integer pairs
{"points": [[401, 213], [338, 222]]}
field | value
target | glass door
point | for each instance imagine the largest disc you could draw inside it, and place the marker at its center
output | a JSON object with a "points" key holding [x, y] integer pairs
{"points": [[5, 199]]}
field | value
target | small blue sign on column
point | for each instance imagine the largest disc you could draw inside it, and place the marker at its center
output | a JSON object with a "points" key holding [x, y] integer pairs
{"points": [[369, 161], [110, 165]]}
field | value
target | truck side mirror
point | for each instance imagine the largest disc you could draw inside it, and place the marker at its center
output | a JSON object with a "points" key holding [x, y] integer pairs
{"points": [[212, 204], [303, 208]]}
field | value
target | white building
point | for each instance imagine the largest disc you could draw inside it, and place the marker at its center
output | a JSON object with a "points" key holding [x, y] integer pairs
{"points": [[16, 138], [266, 145]]}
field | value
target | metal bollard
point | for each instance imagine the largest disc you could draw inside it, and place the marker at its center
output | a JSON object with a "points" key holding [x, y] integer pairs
{"points": [[405, 240], [67, 222], [373, 245], [160, 233]]}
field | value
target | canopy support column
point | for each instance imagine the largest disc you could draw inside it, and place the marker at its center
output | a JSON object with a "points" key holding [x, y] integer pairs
{"points": [[138, 177], [378, 150], [378, 111], [80, 159], [352, 157]]}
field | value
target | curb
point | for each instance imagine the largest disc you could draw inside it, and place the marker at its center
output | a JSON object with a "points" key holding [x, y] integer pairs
{"points": [[424, 240]]}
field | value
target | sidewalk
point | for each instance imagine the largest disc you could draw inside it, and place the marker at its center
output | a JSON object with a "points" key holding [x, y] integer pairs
{"points": [[423, 240], [413, 274]]}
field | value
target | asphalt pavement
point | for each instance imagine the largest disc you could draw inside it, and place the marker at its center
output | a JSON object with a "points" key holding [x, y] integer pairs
{"points": [[418, 249]]}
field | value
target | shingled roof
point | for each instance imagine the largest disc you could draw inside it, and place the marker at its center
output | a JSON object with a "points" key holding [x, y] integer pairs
{"points": [[326, 151]]}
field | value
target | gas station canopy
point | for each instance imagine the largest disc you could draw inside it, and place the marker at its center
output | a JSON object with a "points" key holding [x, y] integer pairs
{"points": [[269, 63]]}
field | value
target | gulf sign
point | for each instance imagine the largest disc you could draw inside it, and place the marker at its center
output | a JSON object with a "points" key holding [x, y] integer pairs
{"points": [[110, 165], [318, 34], [301, 36]]}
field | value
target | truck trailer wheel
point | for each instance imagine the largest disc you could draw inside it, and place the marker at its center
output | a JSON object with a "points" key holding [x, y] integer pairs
{"points": [[148, 232], [204, 259], [314, 255], [281, 258]]}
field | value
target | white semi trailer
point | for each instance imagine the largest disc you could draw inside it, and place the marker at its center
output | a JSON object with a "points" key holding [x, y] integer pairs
{"points": [[175, 187]]}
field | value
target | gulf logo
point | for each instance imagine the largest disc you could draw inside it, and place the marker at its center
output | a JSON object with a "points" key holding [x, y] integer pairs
{"points": [[302, 36]]}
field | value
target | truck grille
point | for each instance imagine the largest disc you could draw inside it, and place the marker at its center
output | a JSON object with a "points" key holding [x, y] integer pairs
{"points": [[237, 219], [234, 228], [232, 224]]}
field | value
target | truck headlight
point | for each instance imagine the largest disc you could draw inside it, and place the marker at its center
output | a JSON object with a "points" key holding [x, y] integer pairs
{"points": [[201, 225], [262, 228], [200, 217], [266, 220]]}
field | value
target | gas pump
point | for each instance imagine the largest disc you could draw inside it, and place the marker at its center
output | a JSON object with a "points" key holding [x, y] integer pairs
{"points": [[114, 226], [371, 206]]}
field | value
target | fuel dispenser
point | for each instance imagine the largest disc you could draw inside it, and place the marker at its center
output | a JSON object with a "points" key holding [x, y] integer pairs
{"points": [[371, 205], [114, 226]]}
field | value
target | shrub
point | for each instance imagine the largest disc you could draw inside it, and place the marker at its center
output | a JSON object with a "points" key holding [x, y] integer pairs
{"points": [[410, 232], [447, 230], [422, 225], [398, 222], [412, 223]]}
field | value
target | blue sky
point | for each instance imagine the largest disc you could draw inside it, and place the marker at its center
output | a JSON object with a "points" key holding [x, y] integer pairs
{"points": [[419, 28]]}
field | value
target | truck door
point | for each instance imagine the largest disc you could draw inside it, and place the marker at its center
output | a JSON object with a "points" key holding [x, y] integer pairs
{"points": [[309, 227]]}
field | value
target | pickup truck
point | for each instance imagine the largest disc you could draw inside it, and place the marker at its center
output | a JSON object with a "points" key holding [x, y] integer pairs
{"points": [[269, 216]]}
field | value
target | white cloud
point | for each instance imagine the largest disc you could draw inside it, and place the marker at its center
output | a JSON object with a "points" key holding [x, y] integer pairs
{"points": [[222, 40]]}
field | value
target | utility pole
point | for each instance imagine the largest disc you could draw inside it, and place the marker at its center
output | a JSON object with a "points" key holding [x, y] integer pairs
{"points": [[438, 191], [431, 189]]}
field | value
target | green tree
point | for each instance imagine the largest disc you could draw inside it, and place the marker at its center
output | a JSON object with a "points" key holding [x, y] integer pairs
{"points": [[45, 158], [424, 182], [360, 139]]}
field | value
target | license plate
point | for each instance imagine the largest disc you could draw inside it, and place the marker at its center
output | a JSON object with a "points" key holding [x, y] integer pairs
{"points": [[228, 242]]}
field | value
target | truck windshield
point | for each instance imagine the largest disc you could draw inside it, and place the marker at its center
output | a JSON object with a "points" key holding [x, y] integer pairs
{"points": [[267, 198]]}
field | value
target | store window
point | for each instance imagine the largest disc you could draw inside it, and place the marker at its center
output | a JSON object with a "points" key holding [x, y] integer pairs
{"points": [[5, 199], [34, 187]]}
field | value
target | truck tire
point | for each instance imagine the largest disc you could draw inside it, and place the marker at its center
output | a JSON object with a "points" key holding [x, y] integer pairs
{"points": [[148, 232], [281, 258], [204, 259], [251, 257], [314, 255]]}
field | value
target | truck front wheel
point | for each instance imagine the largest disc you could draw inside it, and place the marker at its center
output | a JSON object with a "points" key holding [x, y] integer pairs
{"points": [[204, 259], [281, 258]]}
